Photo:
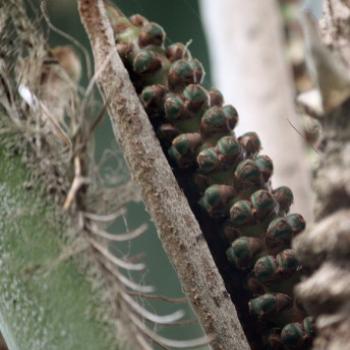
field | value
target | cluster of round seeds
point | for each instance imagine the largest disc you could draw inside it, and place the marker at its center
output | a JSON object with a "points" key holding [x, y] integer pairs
{"points": [[230, 176]]}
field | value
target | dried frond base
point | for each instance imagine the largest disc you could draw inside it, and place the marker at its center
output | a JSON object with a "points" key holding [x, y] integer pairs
{"points": [[325, 249]]}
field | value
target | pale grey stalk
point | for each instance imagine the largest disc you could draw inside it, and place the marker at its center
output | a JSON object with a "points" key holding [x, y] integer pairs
{"points": [[177, 227]]}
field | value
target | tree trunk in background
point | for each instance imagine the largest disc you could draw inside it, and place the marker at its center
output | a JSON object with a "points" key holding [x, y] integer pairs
{"points": [[177, 227], [251, 71], [326, 248]]}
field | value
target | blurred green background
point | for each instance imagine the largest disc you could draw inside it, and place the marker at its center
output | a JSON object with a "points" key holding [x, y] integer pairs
{"points": [[181, 20]]}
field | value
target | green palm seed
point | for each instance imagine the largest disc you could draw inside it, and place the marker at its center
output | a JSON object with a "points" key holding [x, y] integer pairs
{"points": [[292, 335], [214, 121], [208, 160], [196, 96], [265, 166], [250, 142], [269, 304], [229, 150], [183, 149], [146, 62], [263, 305], [151, 34], [243, 251], [263, 204], [241, 213], [174, 108], [216, 199], [182, 73], [279, 234], [177, 51], [248, 174], [198, 70], [287, 262], [296, 222], [138, 20], [216, 98], [182, 144], [284, 197], [152, 98], [266, 268], [231, 116]]}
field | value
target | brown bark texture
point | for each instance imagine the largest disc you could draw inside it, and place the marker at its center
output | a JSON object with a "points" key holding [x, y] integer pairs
{"points": [[325, 248]]}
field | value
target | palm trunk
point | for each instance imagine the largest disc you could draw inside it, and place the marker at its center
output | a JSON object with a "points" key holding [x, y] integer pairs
{"points": [[325, 248]]}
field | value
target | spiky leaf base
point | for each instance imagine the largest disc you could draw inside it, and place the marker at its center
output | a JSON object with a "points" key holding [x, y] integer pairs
{"points": [[226, 180]]}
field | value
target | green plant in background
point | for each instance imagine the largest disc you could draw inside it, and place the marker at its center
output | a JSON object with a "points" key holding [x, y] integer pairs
{"points": [[34, 284]]}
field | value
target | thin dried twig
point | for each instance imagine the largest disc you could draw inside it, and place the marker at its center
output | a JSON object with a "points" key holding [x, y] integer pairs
{"points": [[177, 226]]}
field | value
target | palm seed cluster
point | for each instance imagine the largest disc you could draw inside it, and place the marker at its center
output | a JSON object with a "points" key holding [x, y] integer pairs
{"points": [[226, 180]]}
